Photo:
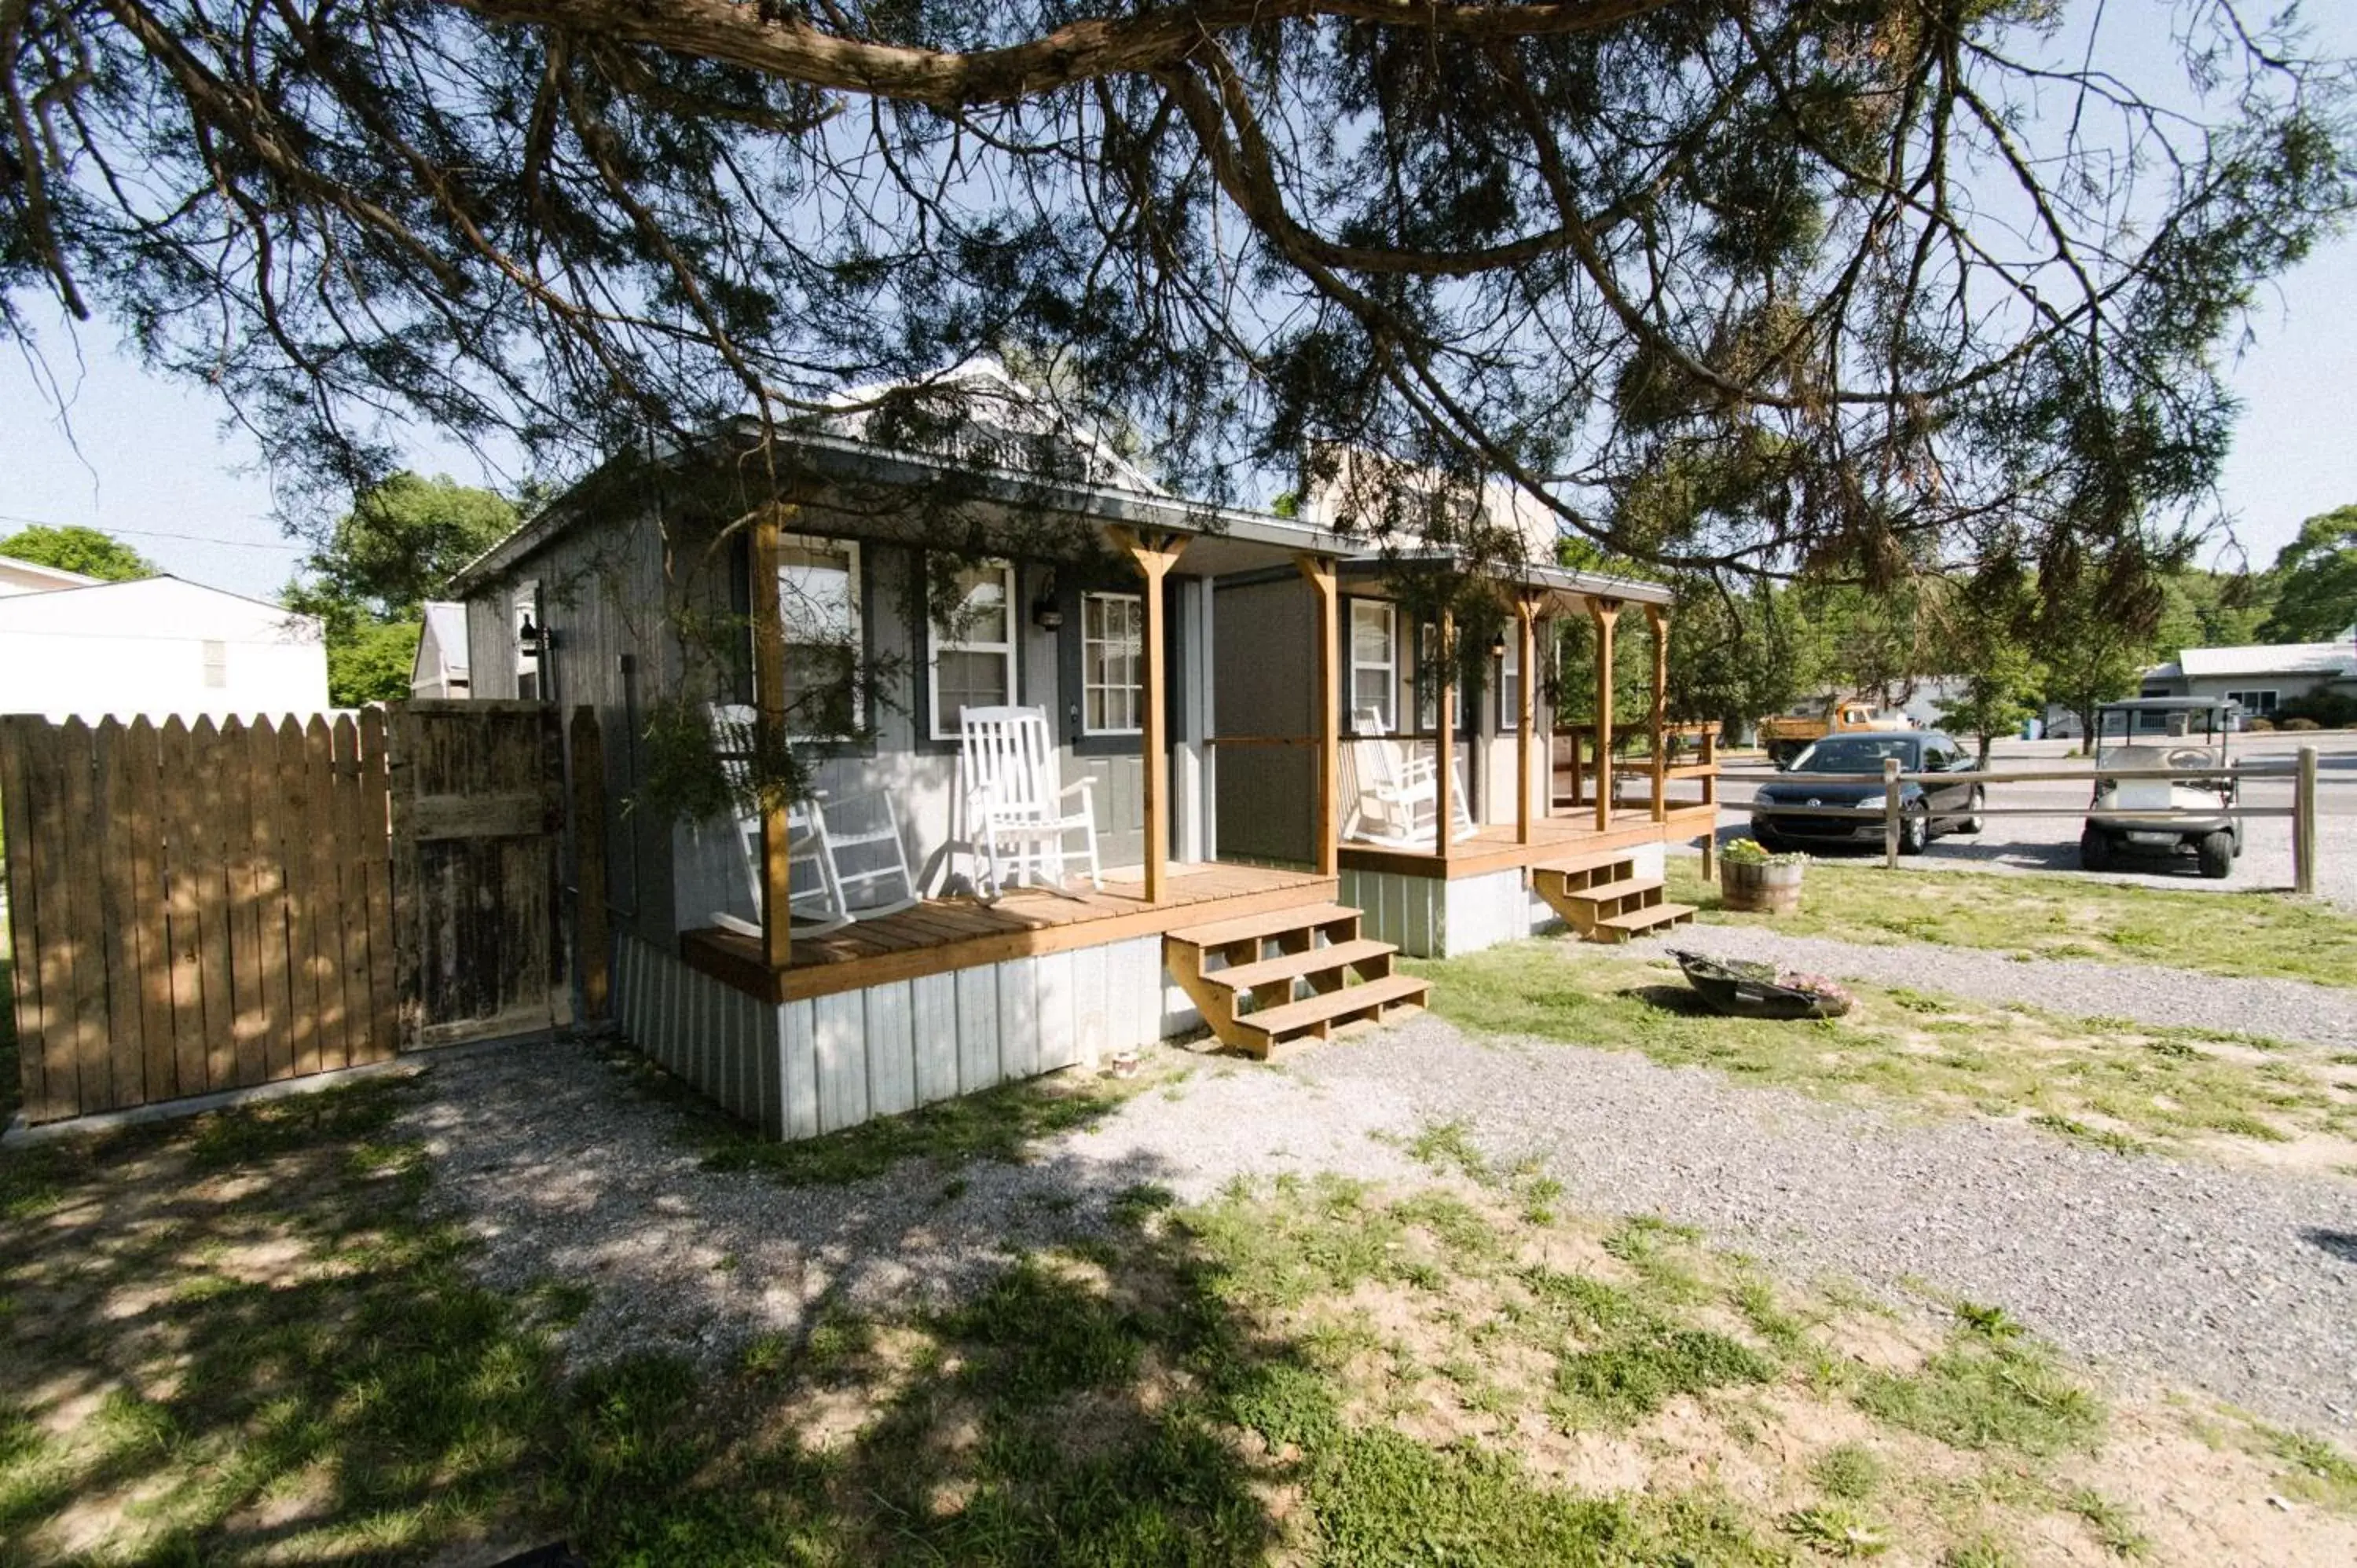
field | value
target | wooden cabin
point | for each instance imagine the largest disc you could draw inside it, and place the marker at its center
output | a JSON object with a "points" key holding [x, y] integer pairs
{"points": [[1196, 667]]}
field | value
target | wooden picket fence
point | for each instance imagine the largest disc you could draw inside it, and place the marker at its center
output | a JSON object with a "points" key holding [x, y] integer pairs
{"points": [[195, 909]]}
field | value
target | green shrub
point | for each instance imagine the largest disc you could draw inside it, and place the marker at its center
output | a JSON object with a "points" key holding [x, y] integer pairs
{"points": [[2323, 710]]}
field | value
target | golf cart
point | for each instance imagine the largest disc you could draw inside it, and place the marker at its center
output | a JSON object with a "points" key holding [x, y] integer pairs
{"points": [[2156, 733]]}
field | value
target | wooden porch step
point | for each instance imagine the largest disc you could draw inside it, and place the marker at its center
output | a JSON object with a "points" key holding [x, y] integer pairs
{"points": [[1275, 923], [1319, 1015], [1356, 953], [1612, 892], [1641, 922], [1594, 860]]}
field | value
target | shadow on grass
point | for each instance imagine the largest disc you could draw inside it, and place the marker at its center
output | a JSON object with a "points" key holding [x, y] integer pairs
{"points": [[993, 1124], [245, 1338], [249, 1337]]}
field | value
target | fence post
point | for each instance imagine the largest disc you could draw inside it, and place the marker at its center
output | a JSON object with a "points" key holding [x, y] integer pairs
{"points": [[1890, 812], [2303, 824]]}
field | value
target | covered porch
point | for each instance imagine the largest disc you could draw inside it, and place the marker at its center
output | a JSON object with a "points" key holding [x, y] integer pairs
{"points": [[943, 935]]}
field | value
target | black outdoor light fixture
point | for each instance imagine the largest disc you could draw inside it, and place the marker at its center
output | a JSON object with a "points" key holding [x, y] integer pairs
{"points": [[530, 638], [1046, 613], [1498, 644]]}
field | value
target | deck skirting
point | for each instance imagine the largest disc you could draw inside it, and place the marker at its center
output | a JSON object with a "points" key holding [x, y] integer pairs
{"points": [[799, 1068], [1428, 916]]}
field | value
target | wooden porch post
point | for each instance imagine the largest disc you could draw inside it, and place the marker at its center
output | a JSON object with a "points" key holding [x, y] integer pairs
{"points": [[1604, 612], [770, 719], [1319, 574], [1525, 630], [1659, 615], [1443, 829], [1155, 555]]}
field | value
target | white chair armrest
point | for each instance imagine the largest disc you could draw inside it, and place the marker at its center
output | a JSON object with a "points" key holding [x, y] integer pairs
{"points": [[1082, 787]]}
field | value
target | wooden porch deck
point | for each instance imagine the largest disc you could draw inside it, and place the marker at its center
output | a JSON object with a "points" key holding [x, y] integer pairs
{"points": [[1496, 848], [945, 934]]}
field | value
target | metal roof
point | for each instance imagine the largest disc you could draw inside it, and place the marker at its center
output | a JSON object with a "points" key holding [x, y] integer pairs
{"points": [[842, 457], [2270, 659]]}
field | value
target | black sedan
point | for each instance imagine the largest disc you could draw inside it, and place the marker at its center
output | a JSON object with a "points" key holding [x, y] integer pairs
{"points": [[1925, 806]]}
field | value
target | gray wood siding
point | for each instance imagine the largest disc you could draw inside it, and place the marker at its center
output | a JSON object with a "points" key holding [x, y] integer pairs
{"points": [[601, 589], [608, 599]]}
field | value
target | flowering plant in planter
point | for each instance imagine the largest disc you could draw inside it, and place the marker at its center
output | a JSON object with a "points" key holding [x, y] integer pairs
{"points": [[1819, 985], [1753, 881], [1751, 851]]}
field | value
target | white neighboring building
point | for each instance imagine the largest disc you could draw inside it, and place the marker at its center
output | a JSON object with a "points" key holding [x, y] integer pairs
{"points": [[440, 669], [159, 647], [2261, 677], [29, 577]]}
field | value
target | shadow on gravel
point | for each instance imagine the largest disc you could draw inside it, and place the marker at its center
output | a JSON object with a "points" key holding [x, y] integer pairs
{"points": [[2341, 1244]]}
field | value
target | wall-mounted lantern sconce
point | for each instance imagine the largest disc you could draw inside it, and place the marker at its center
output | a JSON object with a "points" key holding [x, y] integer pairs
{"points": [[533, 640], [1046, 613]]}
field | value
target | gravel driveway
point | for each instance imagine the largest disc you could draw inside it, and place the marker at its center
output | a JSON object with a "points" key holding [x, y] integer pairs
{"points": [[2244, 1283], [2241, 1282], [2279, 1009]]}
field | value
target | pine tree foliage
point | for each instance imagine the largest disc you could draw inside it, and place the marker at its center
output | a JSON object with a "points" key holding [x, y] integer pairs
{"points": [[1858, 288]]}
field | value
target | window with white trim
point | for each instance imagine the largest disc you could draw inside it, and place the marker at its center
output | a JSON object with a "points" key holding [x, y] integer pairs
{"points": [[1427, 689], [2257, 703], [1374, 661], [1510, 684], [973, 661], [818, 608], [1112, 664]]}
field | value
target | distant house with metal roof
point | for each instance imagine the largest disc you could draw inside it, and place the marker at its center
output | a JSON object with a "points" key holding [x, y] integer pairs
{"points": [[2261, 677]]}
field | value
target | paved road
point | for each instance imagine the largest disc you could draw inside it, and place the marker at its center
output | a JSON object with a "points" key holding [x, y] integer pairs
{"points": [[2051, 843]]}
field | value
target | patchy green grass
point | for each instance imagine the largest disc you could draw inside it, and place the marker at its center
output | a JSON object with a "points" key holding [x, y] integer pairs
{"points": [[995, 1125], [2223, 933], [247, 1339], [2110, 1083]]}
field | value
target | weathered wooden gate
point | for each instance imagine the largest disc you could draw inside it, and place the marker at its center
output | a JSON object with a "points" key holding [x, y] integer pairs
{"points": [[194, 909], [478, 831]]}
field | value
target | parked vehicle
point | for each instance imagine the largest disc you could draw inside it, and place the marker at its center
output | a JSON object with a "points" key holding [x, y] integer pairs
{"points": [[1926, 806], [1786, 735], [2155, 733]]}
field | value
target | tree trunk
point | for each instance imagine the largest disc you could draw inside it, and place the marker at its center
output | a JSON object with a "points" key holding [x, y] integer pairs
{"points": [[1987, 740]]}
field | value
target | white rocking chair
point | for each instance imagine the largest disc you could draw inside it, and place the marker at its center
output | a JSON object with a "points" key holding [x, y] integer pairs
{"points": [[1395, 794], [1019, 818], [846, 860]]}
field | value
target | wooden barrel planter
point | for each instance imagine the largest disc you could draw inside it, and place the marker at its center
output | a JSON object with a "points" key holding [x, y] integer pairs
{"points": [[1754, 888]]}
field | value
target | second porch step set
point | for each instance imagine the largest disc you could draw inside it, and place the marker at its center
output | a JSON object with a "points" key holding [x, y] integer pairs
{"points": [[1603, 898], [1288, 974]]}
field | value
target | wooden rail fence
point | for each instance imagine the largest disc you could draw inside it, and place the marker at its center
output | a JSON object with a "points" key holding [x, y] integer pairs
{"points": [[195, 909]]}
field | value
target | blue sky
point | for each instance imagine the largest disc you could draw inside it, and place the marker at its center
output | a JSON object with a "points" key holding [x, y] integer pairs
{"points": [[149, 461]]}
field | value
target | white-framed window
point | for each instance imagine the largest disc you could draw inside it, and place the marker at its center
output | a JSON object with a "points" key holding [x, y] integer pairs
{"points": [[1428, 687], [818, 606], [2257, 703], [973, 661], [215, 665], [1112, 664], [1510, 684], [1374, 661]]}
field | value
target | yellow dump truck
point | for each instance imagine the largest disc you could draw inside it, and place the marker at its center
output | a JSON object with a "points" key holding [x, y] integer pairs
{"points": [[1787, 735]]}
